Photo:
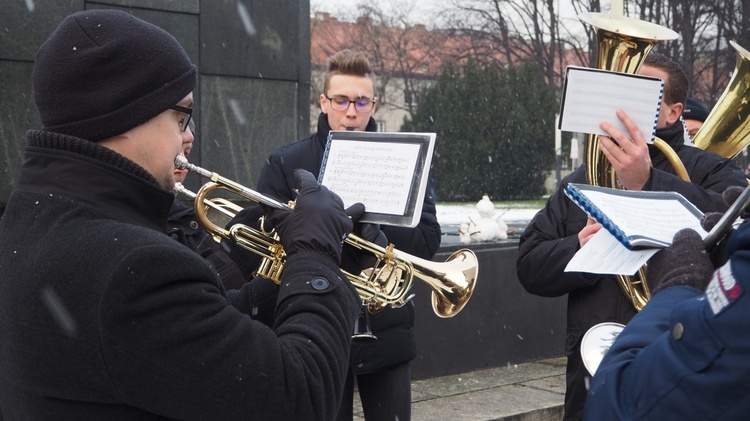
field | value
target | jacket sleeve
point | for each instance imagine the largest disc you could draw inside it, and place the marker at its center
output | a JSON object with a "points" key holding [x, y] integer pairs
{"points": [[547, 245], [175, 346], [708, 179]]}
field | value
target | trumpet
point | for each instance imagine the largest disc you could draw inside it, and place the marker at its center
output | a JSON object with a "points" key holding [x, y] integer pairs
{"points": [[388, 283]]}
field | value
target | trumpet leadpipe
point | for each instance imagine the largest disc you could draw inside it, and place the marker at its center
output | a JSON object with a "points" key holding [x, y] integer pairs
{"points": [[181, 163], [180, 189]]}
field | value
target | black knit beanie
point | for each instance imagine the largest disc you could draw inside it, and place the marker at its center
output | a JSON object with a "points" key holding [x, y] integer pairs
{"points": [[103, 72]]}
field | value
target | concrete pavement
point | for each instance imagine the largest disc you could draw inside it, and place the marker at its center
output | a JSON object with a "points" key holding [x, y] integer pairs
{"points": [[532, 391]]}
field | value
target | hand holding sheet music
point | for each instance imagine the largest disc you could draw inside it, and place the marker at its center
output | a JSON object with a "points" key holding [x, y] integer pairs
{"points": [[635, 225]]}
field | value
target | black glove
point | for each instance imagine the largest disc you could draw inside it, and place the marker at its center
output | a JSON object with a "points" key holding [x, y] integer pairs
{"points": [[353, 260], [709, 219], [318, 223], [249, 216], [685, 262], [246, 260]]}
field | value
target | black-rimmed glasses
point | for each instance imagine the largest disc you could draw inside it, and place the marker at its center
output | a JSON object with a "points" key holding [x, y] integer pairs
{"points": [[185, 122], [362, 105]]}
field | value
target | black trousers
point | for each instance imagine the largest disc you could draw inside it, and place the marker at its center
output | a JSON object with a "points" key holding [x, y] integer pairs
{"points": [[576, 379], [385, 395]]}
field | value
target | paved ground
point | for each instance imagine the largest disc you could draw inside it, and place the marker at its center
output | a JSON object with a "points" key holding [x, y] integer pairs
{"points": [[524, 392]]}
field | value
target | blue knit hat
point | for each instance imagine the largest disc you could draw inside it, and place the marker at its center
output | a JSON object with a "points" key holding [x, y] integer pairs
{"points": [[103, 72]]}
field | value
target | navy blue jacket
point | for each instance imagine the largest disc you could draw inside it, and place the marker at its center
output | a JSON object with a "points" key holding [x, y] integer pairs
{"points": [[685, 355], [393, 327]]}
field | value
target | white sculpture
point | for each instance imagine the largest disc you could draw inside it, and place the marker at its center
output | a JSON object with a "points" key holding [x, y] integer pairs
{"points": [[488, 227]]}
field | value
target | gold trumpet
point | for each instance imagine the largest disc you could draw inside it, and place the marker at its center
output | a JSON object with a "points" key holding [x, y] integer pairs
{"points": [[452, 282]]}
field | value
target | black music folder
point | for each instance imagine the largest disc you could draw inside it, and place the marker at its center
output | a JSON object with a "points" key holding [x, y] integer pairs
{"points": [[386, 171]]}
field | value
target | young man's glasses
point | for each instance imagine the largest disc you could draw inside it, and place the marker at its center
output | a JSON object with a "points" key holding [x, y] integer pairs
{"points": [[185, 122], [362, 105]]}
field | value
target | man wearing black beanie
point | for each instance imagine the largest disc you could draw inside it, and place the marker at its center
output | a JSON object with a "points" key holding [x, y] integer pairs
{"points": [[103, 315]]}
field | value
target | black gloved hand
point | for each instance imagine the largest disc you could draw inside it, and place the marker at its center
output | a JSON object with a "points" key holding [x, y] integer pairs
{"points": [[318, 223], [249, 216], [709, 219], [353, 260], [685, 262], [246, 260]]}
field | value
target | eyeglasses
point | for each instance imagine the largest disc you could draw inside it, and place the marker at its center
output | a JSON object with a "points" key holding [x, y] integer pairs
{"points": [[185, 122], [361, 105]]}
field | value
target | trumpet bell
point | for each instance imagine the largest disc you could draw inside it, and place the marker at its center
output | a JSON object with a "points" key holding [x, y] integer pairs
{"points": [[453, 286]]}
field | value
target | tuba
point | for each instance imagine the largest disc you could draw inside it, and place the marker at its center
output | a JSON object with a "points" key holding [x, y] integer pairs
{"points": [[726, 129], [623, 43], [452, 282]]}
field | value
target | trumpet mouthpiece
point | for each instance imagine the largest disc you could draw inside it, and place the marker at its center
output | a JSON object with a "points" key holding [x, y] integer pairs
{"points": [[181, 163]]}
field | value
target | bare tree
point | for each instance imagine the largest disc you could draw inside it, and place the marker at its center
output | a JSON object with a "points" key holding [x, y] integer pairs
{"points": [[398, 49], [510, 31]]}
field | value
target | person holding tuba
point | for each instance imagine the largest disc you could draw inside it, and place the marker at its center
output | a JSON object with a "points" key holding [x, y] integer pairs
{"points": [[684, 356], [559, 230], [104, 316]]}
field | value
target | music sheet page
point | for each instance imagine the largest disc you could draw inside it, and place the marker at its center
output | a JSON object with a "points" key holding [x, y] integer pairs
{"points": [[658, 218], [378, 174], [591, 96], [605, 255]]}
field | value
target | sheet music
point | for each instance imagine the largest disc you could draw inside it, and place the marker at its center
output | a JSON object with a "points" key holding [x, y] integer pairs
{"points": [[378, 174], [651, 216], [605, 255], [592, 96]]}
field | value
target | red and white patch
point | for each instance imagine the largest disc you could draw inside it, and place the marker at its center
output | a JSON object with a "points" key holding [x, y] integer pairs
{"points": [[723, 290]]}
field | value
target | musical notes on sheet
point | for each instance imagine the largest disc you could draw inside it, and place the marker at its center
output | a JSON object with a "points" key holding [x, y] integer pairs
{"points": [[378, 174]]}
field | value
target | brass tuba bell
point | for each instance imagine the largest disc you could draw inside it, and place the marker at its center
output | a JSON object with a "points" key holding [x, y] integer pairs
{"points": [[726, 129]]}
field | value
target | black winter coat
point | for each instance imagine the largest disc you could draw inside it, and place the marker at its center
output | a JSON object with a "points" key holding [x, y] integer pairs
{"points": [[185, 228], [393, 327], [104, 316], [551, 238]]}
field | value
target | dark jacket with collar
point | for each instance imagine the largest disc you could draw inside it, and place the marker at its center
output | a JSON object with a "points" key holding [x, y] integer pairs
{"points": [[185, 228], [393, 327], [551, 239], [104, 316]]}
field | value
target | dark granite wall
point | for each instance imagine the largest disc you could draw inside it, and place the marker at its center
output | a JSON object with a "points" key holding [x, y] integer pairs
{"points": [[500, 326], [254, 87]]}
